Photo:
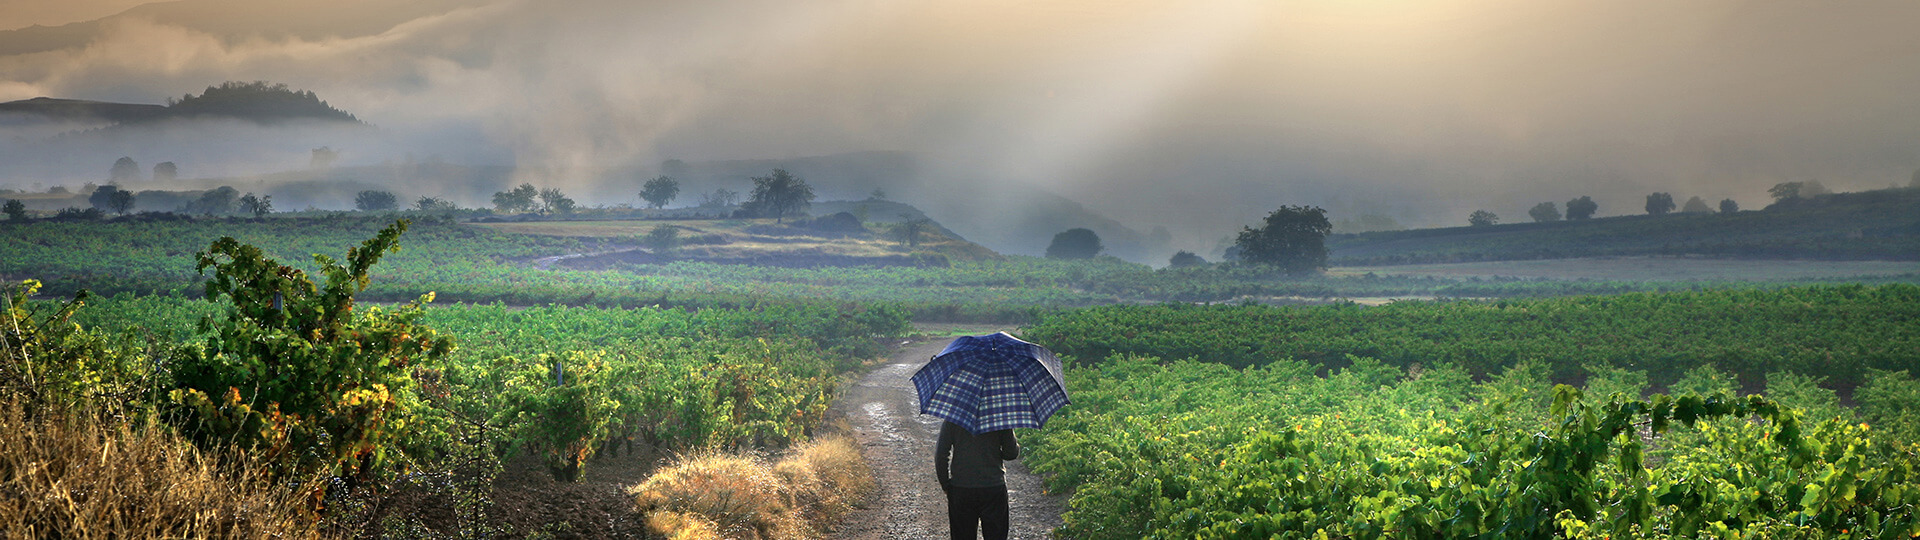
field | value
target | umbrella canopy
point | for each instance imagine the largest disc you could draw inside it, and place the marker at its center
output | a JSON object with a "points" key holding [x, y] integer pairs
{"points": [[992, 382]]}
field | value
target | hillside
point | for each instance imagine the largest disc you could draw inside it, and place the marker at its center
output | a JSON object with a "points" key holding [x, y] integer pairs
{"points": [[257, 101], [1870, 225]]}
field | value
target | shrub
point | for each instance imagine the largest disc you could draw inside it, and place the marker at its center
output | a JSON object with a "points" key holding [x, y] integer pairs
{"points": [[293, 373], [728, 496]]}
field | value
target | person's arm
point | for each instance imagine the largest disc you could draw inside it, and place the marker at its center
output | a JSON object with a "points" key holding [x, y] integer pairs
{"points": [[942, 451], [1009, 448]]}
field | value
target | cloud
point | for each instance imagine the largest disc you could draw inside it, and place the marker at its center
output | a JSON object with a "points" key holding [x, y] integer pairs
{"points": [[1196, 115]]}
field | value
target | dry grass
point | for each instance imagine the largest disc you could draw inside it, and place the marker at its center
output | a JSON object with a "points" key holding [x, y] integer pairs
{"points": [[66, 476], [742, 498]]}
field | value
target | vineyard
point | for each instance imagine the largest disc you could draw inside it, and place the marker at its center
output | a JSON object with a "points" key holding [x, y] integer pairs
{"points": [[435, 353], [474, 264], [1453, 427]]}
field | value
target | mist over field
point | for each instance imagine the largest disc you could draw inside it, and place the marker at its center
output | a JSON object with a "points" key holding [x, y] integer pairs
{"points": [[1191, 117]]}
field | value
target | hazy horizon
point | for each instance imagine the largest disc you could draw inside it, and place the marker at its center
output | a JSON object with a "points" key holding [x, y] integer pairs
{"points": [[1194, 116]]}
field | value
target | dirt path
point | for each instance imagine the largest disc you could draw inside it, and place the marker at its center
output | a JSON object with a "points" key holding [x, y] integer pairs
{"points": [[883, 410]]}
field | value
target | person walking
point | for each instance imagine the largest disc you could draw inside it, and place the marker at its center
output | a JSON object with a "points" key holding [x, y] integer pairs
{"points": [[984, 387], [968, 467]]}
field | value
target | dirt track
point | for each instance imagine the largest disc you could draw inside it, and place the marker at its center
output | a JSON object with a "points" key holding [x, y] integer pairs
{"points": [[883, 409]]}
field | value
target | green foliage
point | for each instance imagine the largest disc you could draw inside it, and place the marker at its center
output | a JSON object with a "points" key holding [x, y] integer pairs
{"points": [[1185, 259], [1890, 400], [120, 202], [374, 200], [15, 210], [1581, 208], [1727, 206], [1074, 244], [217, 201], [50, 363], [552, 200], [1836, 331], [518, 199], [294, 373], [1198, 450], [1292, 238], [1544, 212], [1696, 205], [256, 205], [1482, 218], [662, 238], [660, 191], [558, 407], [1659, 203], [777, 195]]}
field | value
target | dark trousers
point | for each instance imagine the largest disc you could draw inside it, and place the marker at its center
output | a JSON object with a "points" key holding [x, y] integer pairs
{"points": [[978, 509]]}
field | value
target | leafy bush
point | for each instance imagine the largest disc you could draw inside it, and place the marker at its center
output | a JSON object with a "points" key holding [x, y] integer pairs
{"points": [[293, 373]]}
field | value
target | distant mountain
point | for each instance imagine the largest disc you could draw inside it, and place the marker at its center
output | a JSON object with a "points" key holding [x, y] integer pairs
{"points": [[78, 110], [1869, 225], [258, 101]]}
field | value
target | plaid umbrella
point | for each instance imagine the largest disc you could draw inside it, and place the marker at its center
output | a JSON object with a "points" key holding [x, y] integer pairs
{"points": [[992, 382]]}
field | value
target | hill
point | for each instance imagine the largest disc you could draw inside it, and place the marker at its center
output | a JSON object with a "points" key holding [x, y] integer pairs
{"points": [[82, 110], [257, 101], [1869, 225], [1013, 219]]}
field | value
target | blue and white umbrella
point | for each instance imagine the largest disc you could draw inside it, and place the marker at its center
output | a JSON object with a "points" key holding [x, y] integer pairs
{"points": [[992, 382]]}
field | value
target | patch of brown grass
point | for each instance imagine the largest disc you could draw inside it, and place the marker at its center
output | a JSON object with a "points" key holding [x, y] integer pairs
{"points": [[743, 498], [68, 476]]}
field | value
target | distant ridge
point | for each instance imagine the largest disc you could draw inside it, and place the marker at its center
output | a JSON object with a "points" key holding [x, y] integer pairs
{"points": [[258, 101]]}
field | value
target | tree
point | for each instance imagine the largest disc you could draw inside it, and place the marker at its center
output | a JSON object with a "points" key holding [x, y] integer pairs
{"points": [[662, 238], [1075, 243], [323, 157], [374, 200], [1185, 259], [214, 201], [909, 229], [258, 206], [1293, 238], [881, 194], [1482, 218], [1787, 191], [1696, 206], [15, 210], [1659, 203], [660, 191], [720, 198], [1545, 212], [1581, 208], [519, 199], [102, 197], [165, 171], [778, 195], [1727, 206], [120, 202], [124, 170], [434, 204], [552, 200]]}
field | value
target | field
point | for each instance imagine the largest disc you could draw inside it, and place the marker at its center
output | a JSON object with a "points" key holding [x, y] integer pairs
{"points": [[1871, 225], [1442, 420], [1201, 408], [1670, 269]]}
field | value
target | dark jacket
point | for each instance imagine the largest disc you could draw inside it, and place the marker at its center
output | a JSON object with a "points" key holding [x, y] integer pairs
{"points": [[962, 459]]}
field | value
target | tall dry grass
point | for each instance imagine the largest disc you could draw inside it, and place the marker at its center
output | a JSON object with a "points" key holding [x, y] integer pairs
{"points": [[71, 476], [715, 496]]}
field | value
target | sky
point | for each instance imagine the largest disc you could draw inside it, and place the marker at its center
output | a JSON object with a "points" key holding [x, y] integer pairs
{"points": [[1195, 115]]}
